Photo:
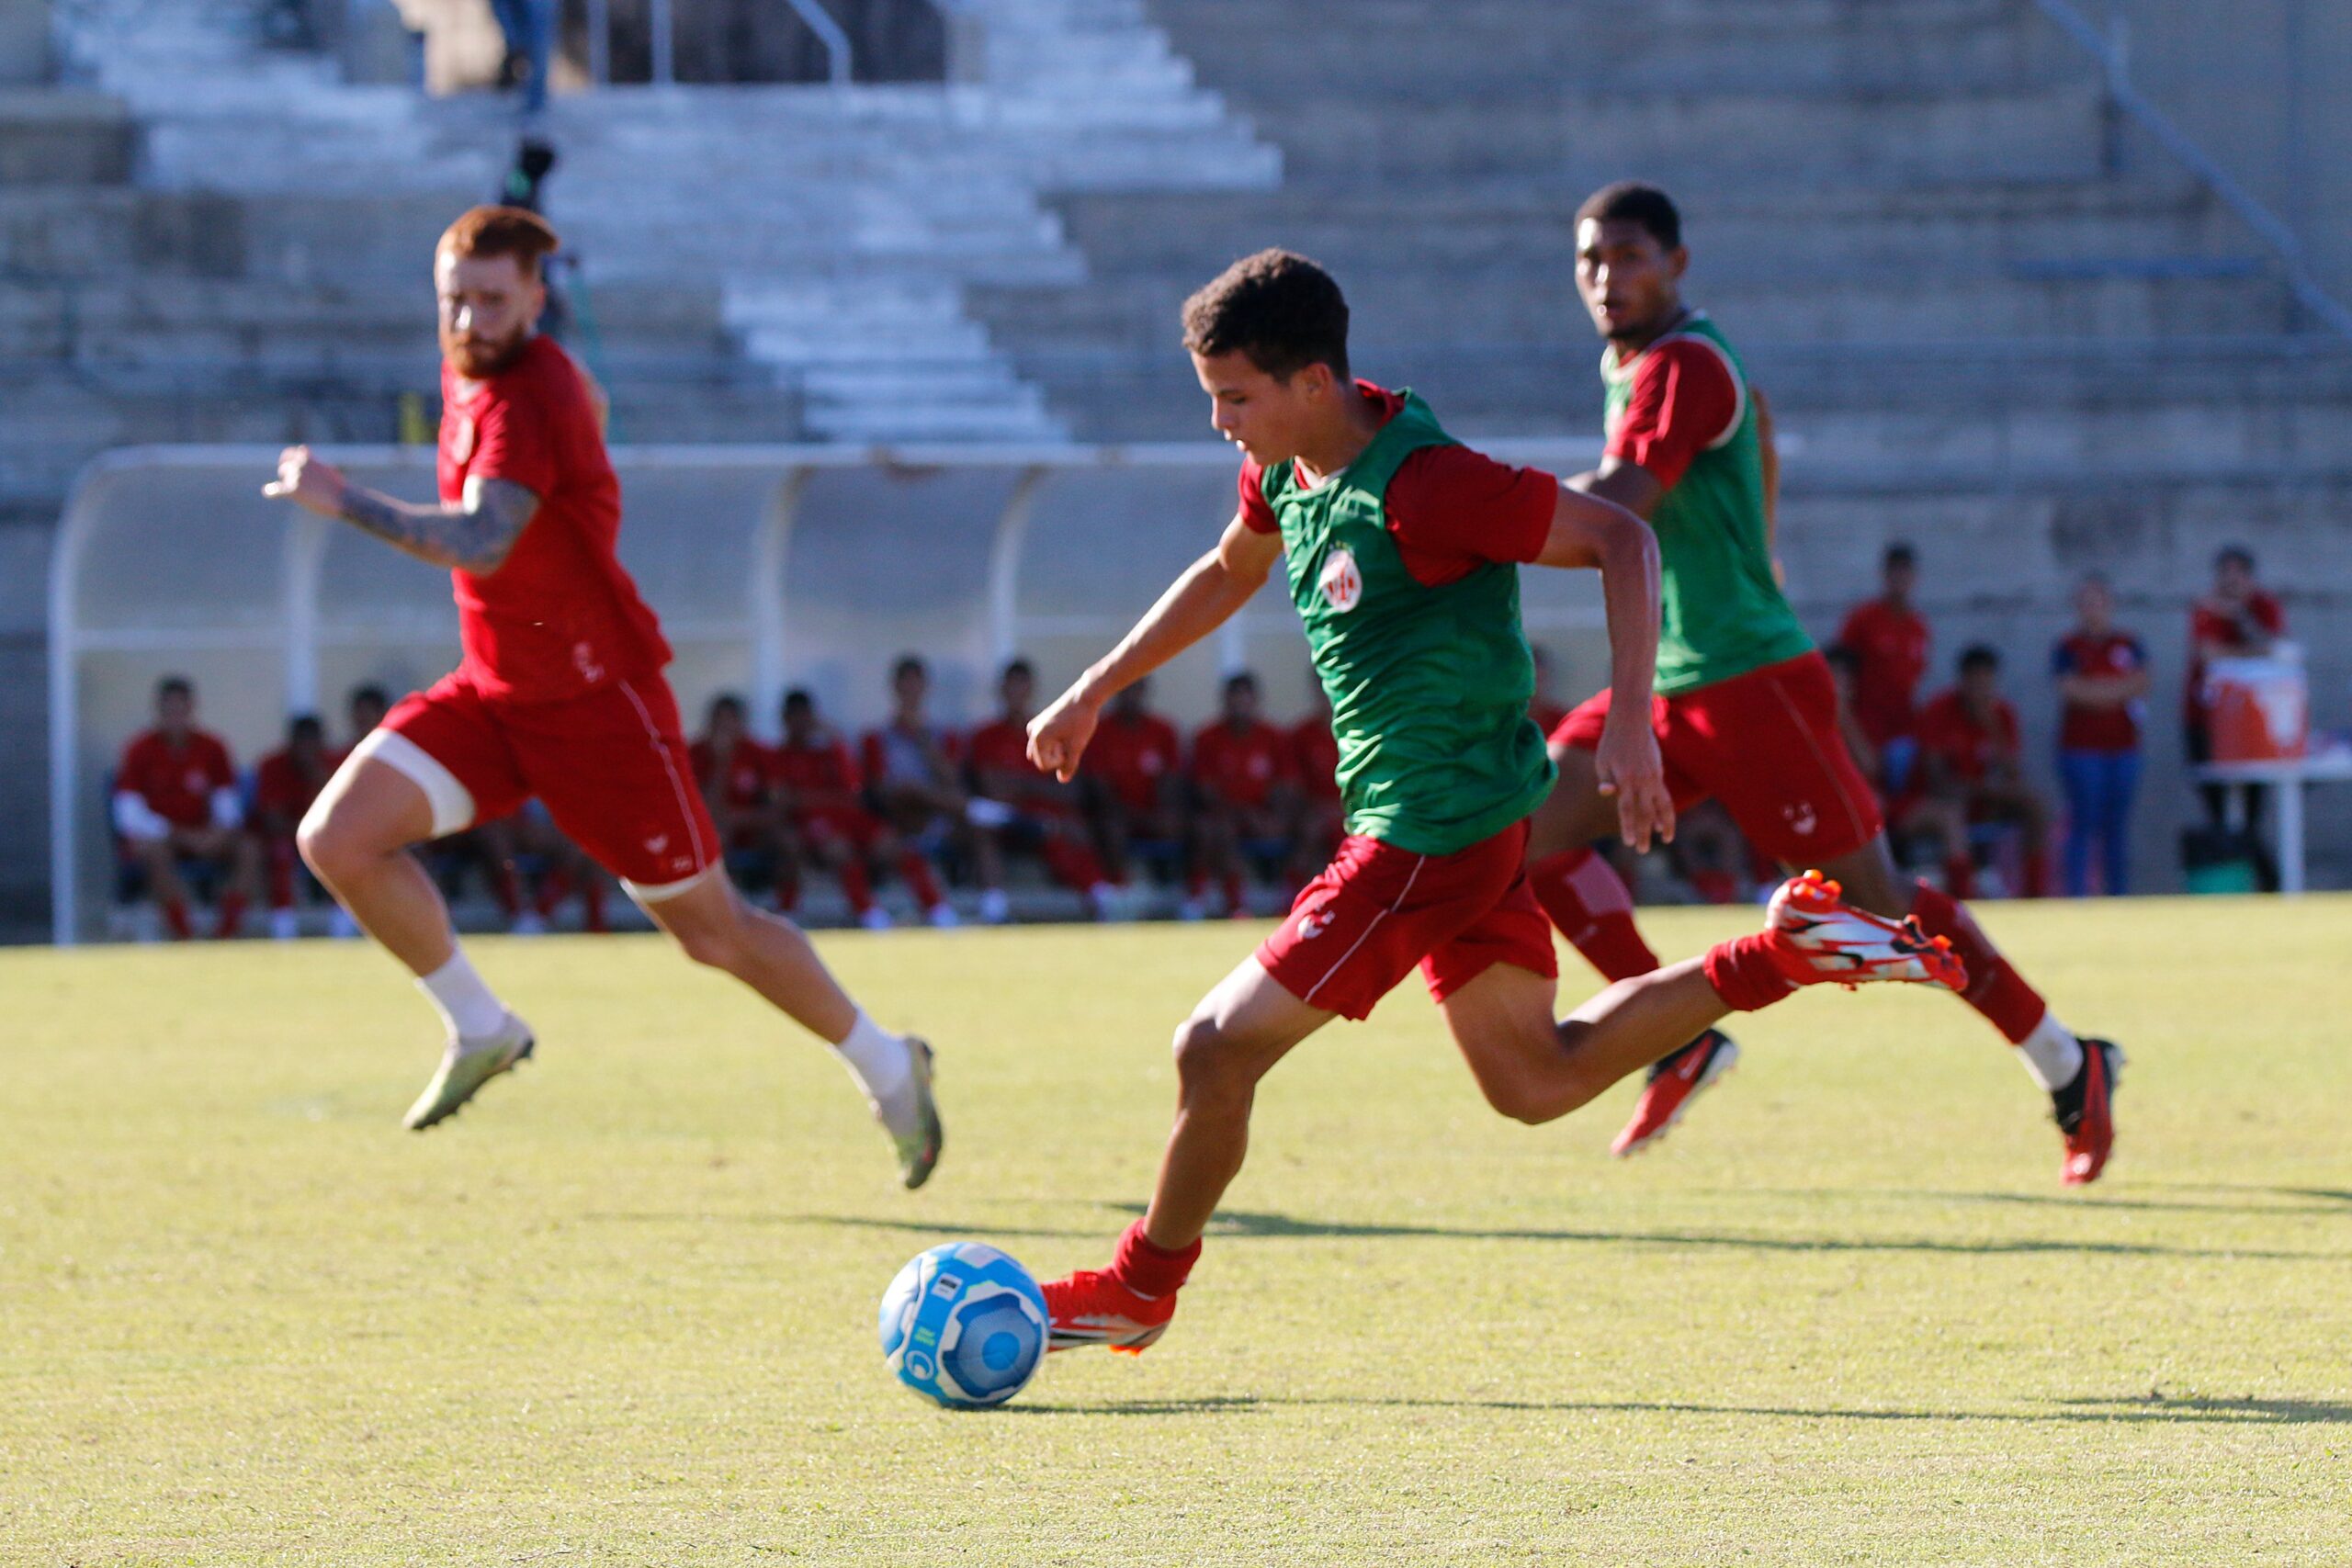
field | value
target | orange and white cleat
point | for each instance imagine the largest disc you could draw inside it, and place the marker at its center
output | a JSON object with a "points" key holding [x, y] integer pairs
{"points": [[1816, 937], [2085, 1110], [1090, 1308]]}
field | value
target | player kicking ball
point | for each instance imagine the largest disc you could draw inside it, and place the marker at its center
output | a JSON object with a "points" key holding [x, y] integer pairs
{"points": [[1401, 551], [1748, 707], [558, 695]]}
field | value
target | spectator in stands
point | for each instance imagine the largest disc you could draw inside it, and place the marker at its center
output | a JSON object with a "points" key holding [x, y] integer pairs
{"points": [[1971, 755], [1244, 787], [1916, 818], [529, 26], [1042, 814], [2102, 675], [1315, 764], [1137, 765], [1889, 640], [2239, 619], [366, 709], [911, 767], [737, 777], [284, 783], [177, 806], [829, 825], [1541, 707]]}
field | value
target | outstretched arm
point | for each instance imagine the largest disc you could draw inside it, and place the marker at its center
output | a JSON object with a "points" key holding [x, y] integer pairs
{"points": [[1195, 605], [1589, 531], [474, 536]]}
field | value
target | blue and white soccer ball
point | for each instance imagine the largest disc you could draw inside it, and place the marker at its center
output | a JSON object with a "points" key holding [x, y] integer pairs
{"points": [[964, 1325]]}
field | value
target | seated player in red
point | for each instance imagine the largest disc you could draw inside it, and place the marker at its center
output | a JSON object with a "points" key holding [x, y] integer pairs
{"points": [[1745, 708], [560, 693], [1913, 816], [1138, 764], [1245, 795], [1400, 550], [284, 783], [177, 806], [829, 827], [912, 767], [1972, 757], [1322, 819], [737, 777], [1041, 814]]}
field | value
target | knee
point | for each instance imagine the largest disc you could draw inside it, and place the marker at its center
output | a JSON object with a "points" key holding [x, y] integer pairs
{"points": [[717, 944], [328, 847], [1209, 1066]]}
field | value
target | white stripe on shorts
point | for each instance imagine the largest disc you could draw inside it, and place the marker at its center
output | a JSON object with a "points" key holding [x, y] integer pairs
{"points": [[452, 802]]}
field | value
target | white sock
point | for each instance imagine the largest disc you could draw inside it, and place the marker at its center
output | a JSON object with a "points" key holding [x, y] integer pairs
{"points": [[2052, 1053], [469, 1007], [882, 1064]]}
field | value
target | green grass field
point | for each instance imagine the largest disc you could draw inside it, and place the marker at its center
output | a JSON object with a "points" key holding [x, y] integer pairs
{"points": [[622, 1311]]}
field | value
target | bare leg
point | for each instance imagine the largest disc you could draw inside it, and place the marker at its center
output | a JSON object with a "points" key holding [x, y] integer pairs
{"points": [[1575, 813], [767, 952], [356, 838], [1233, 1039], [1533, 1070]]}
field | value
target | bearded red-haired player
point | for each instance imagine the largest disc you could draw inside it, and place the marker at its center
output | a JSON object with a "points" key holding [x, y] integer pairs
{"points": [[559, 694]]}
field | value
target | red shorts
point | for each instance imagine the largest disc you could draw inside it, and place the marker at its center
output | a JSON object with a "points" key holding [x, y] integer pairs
{"points": [[1377, 910], [839, 824], [611, 767], [1766, 744]]}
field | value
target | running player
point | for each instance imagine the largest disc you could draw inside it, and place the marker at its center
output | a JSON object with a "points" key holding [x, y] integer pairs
{"points": [[1401, 551], [1747, 708], [559, 694]]}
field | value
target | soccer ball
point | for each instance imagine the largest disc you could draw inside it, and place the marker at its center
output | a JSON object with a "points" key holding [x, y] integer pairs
{"points": [[964, 1325]]}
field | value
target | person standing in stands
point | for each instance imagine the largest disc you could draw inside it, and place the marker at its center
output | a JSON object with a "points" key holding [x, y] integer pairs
{"points": [[2102, 675]]}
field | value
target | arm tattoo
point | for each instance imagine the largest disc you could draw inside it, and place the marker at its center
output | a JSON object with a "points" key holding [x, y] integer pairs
{"points": [[474, 536]]}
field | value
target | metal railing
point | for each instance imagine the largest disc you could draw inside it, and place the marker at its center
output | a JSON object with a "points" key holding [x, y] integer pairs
{"points": [[964, 21], [2114, 63]]}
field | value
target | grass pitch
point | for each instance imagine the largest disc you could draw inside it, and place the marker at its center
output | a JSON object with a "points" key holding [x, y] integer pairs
{"points": [[622, 1310]]}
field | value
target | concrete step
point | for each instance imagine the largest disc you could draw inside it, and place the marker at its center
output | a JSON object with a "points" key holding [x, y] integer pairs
{"points": [[61, 136]]}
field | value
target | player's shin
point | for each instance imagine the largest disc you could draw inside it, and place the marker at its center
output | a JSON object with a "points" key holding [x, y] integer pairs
{"points": [[2049, 1050]]}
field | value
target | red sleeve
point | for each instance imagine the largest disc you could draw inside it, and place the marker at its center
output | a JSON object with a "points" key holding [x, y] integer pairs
{"points": [[1255, 512], [131, 773], [2268, 614], [218, 770], [512, 441], [1450, 510], [1684, 400]]}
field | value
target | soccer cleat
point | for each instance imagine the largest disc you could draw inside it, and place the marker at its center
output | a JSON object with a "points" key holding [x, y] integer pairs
{"points": [[920, 1140], [1816, 937], [1090, 1308], [1675, 1081], [2085, 1112], [465, 1068]]}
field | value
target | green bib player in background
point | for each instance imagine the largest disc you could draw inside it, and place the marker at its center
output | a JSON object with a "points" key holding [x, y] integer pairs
{"points": [[1747, 708], [1401, 549]]}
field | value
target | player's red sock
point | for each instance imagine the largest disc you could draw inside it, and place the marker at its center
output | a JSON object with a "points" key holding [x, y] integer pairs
{"points": [[1196, 885], [1588, 900], [1073, 864], [857, 887], [1234, 901], [176, 920], [505, 890], [787, 893], [231, 915], [281, 873], [921, 879], [1714, 887], [1959, 877], [1150, 1269], [1743, 974], [1995, 988], [592, 904], [2036, 873], [553, 887]]}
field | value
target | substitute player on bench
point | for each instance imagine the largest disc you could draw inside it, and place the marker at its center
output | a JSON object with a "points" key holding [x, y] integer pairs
{"points": [[1401, 551], [1747, 708], [559, 694]]}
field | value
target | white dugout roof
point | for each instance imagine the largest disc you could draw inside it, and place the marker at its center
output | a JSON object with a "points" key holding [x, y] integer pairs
{"points": [[771, 567]]}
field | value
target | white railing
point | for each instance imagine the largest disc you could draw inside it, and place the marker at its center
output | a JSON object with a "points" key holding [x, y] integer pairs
{"points": [[963, 20]]}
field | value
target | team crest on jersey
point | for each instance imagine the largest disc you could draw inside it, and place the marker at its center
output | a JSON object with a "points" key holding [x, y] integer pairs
{"points": [[1342, 583], [461, 445]]}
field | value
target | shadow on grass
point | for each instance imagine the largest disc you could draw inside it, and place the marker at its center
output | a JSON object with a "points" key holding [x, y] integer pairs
{"points": [[2080, 1202], [2145, 1410]]}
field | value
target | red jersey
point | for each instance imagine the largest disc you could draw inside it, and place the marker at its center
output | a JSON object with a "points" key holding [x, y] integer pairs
{"points": [[1947, 730], [282, 789], [999, 747], [176, 782], [822, 776], [1134, 757], [559, 617], [2208, 624], [750, 769], [1450, 510], [1684, 402], [1242, 769], [1891, 647], [2115, 727], [1314, 757]]}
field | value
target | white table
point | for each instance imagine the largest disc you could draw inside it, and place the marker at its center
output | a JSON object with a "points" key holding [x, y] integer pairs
{"points": [[2290, 774]]}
